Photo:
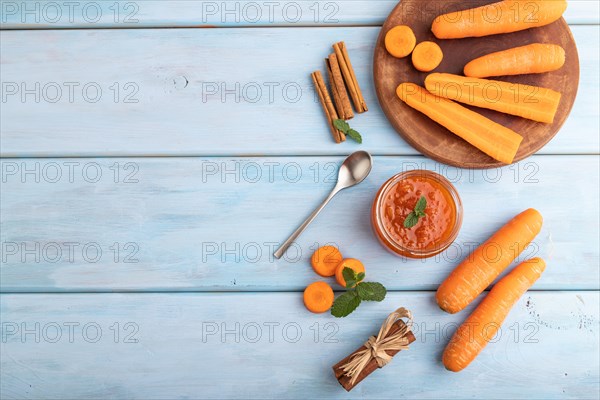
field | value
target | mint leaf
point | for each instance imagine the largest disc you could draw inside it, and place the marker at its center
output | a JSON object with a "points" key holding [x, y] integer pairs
{"points": [[371, 291], [421, 204], [411, 220], [350, 277], [354, 135], [419, 212], [341, 125], [345, 304], [360, 276]]}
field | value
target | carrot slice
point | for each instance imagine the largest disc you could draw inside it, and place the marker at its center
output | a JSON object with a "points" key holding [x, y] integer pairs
{"points": [[485, 321], [427, 56], [352, 263], [493, 139], [400, 41], [531, 102], [318, 297], [534, 58], [502, 17], [325, 260], [472, 276]]}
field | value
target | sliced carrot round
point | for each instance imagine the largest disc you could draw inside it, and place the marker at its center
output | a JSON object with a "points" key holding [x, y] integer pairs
{"points": [[352, 263], [400, 41], [325, 260], [427, 56], [318, 297]]}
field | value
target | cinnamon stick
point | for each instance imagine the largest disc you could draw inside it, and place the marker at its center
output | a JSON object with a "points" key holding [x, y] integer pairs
{"points": [[349, 77], [327, 105], [337, 101], [340, 95], [372, 365]]}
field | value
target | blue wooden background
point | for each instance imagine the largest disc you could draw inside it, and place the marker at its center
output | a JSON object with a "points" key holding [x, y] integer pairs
{"points": [[149, 168]]}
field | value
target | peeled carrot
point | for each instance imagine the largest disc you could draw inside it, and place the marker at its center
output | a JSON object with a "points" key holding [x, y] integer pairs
{"points": [[325, 260], [502, 17], [318, 297], [483, 324], [400, 41], [472, 276], [493, 139], [534, 58], [531, 102], [352, 263], [427, 56]]}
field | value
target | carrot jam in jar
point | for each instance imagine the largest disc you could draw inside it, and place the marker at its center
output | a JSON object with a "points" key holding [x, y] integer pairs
{"points": [[434, 231]]}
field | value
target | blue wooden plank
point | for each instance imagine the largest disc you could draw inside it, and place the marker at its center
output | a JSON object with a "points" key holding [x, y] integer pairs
{"points": [[49, 14], [213, 223], [209, 92], [156, 346]]}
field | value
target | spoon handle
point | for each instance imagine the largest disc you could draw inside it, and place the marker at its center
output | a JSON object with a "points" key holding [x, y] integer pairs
{"points": [[282, 249]]}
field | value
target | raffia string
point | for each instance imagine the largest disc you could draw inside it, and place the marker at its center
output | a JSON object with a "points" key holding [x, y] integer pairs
{"points": [[376, 347]]}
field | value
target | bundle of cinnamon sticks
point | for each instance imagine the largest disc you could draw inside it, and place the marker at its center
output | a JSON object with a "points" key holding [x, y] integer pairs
{"points": [[342, 80], [393, 336]]}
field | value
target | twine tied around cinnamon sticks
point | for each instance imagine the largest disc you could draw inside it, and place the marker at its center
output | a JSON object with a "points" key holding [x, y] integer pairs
{"points": [[377, 347]]}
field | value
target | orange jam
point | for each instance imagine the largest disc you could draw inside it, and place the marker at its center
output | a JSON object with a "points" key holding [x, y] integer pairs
{"points": [[432, 233]]}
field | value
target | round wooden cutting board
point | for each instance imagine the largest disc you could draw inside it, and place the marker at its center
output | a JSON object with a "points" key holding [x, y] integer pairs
{"points": [[432, 139]]}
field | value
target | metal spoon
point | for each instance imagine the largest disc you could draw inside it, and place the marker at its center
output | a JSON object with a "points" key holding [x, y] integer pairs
{"points": [[353, 171]]}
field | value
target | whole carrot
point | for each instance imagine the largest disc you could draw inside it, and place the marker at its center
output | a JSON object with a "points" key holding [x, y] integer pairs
{"points": [[483, 324], [526, 101], [472, 276], [495, 140], [501, 17], [533, 58]]}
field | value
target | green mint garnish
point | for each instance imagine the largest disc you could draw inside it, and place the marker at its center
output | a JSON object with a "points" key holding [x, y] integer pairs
{"points": [[345, 304], [351, 277], [343, 126], [354, 135], [371, 291], [357, 291], [419, 212]]}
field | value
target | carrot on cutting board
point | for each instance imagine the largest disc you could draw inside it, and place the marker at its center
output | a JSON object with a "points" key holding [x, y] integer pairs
{"points": [[472, 276], [427, 56], [400, 41], [325, 260], [485, 321], [531, 102], [502, 17], [351, 263], [534, 58], [493, 139], [318, 297]]}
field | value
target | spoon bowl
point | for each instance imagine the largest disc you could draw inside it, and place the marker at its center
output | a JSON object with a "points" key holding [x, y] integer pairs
{"points": [[355, 168]]}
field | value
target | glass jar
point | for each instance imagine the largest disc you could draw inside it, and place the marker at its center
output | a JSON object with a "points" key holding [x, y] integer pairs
{"points": [[432, 233]]}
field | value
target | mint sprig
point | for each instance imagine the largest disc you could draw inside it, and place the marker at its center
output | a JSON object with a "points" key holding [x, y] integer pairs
{"points": [[343, 126], [419, 212], [357, 291]]}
